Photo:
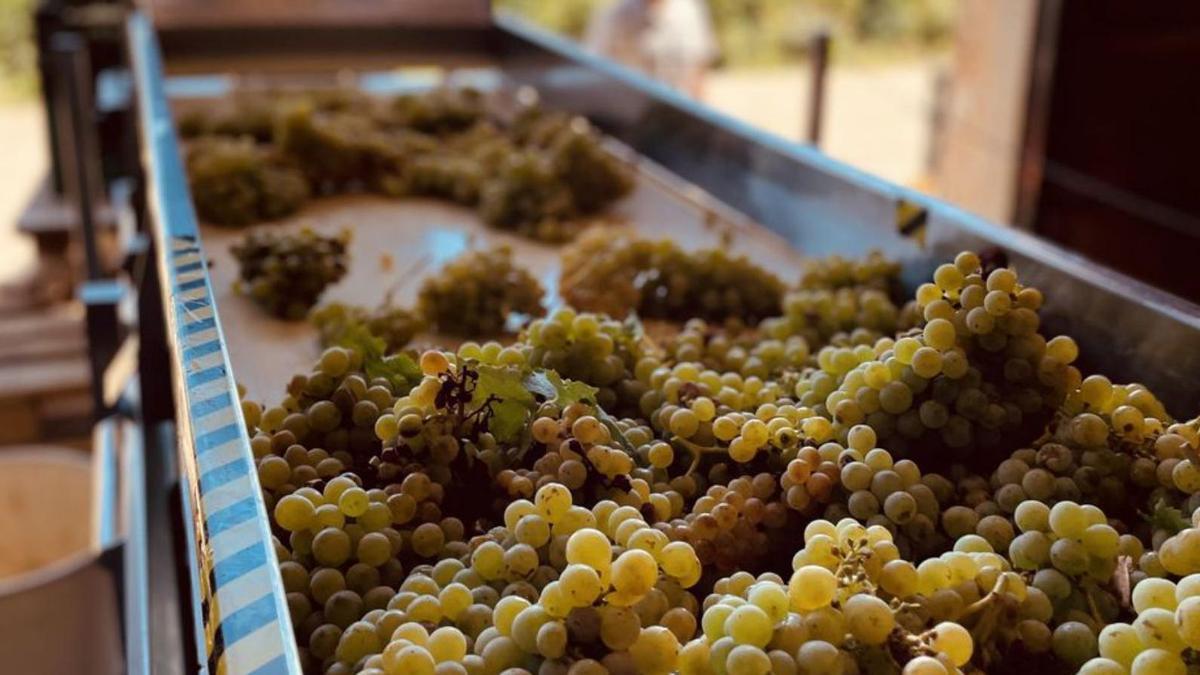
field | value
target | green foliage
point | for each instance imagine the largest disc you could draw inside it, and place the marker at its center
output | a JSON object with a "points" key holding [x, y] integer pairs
{"points": [[401, 370], [760, 32], [569, 17], [18, 58]]}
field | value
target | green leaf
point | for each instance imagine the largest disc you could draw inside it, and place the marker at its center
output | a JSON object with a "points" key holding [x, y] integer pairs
{"points": [[552, 387], [512, 403], [1168, 518], [400, 370]]}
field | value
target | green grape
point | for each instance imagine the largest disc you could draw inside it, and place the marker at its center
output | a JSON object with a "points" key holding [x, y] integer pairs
{"points": [[1157, 630], [294, 513], [749, 625], [811, 587], [358, 640], [818, 656], [1074, 642], [924, 665], [1102, 666], [870, 619], [655, 651], [1150, 593], [1156, 661], [954, 641], [619, 627], [1187, 620]]}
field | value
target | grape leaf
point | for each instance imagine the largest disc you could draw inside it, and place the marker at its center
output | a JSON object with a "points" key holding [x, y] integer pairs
{"points": [[400, 370], [511, 402], [515, 393], [1167, 518], [552, 387]]}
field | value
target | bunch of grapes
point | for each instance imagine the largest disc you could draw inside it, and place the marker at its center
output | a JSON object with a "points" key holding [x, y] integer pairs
{"points": [[285, 273], [558, 174], [555, 585], [475, 294], [743, 352], [821, 316], [1163, 638], [617, 273], [849, 599], [589, 348], [874, 270], [235, 182], [395, 325], [866, 483], [334, 407], [440, 111], [542, 176], [585, 501]]}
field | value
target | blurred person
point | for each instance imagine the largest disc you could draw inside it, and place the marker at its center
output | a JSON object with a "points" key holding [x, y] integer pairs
{"points": [[671, 40]]}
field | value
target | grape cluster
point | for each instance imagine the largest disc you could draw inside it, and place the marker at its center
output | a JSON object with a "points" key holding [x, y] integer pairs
{"points": [[285, 274], [873, 270], [851, 316], [744, 352], [588, 348], [589, 499], [542, 176], [395, 325], [475, 293], [235, 182], [560, 174], [617, 273]]}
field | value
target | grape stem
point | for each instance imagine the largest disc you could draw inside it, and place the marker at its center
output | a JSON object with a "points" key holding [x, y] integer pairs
{"points": [[698, 451]]}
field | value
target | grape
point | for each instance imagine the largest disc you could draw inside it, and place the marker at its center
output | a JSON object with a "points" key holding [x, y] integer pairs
{"points": [[1157, 630], [749, 625], [870, 619], [1074, 642], [811, 587], [818, 656], [475, 293], [590, 547], [1158, 662], [620, 627], [1120, 642], [1154, 593], [772, 599], [747, 660], [1102, 666], [294, 513], [954, 641], [656, 650], [924, 665]]}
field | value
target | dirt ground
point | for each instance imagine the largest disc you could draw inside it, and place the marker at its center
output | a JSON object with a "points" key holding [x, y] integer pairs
{"points": [[877, 118], [24, 164]]}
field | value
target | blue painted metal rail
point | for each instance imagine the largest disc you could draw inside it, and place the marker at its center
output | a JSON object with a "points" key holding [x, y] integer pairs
{"points": [[243, 623]]}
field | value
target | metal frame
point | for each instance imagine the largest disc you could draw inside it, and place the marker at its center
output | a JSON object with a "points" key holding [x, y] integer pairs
{"points": [[1126, 329], [246, 626]]}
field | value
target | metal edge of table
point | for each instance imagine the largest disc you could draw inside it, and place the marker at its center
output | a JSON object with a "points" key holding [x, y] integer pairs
{"points": [[247, 628], [1127, 329]]}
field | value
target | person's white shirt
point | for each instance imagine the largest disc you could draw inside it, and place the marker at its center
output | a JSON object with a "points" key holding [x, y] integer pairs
{"points": [[671, 40]]}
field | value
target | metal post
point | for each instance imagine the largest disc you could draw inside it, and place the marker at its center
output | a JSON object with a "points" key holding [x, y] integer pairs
{"points": [[818, 54], [77, 138], [82, 182]]}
